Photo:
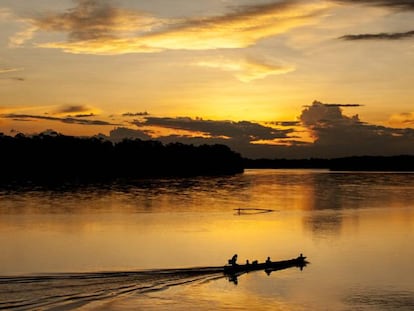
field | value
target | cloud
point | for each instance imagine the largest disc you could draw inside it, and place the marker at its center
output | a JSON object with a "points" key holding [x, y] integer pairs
{"points": [[319, 114], [247, 70], [70, 120], [97, 27], [285, 123], [19, 79], [343, 105], [135, 114], [393, 4], [93, 23], [9, 69], [379, 36], [240, 131], [121, 133], [75, 109], [21, 37], [402, 119], [87, 115], [242, 27], [335, 134], [338, 134], [95, 20]]}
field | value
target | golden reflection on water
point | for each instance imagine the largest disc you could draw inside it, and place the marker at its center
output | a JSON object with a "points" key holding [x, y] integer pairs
{"points": [[139, 241], [193, 222], [356, 230]]}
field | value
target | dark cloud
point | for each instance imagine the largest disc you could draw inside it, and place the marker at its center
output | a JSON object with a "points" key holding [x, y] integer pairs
{"points": [[285, 123], [84, 115], [335, 135], [88, 20], [393, 4], [19, 79], [243, 130], [136, 114], [379, 36], [343, 105], [398, 5], [70, 120], [238, 13], [121, 133], [74, 109], [319, 114], [341, 135]]}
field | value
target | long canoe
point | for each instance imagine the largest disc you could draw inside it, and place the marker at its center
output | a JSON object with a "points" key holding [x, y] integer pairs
{"points": [[267, 266]]}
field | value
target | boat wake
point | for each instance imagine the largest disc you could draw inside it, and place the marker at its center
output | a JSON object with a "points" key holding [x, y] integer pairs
{"points": [[70, 291]]}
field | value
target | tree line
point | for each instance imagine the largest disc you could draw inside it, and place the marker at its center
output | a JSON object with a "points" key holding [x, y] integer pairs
{"points": [[59, 157]]}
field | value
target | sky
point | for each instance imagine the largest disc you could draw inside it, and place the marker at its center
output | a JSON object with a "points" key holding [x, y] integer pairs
{"points": [[270, 79]]}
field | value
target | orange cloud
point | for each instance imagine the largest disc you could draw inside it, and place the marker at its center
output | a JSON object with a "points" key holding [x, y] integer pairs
{"points": [[402, 120], [95, 27], [247, 70]]}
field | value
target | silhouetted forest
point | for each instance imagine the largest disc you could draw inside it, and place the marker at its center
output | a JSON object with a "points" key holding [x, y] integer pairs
{"points": [[357, 163], [58, 157]]}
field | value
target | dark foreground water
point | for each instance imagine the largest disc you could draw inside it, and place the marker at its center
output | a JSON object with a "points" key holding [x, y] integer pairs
{"points": [[154, 245]]}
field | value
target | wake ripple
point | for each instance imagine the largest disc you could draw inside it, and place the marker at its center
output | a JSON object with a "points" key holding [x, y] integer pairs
{"points": [[70, 291]]}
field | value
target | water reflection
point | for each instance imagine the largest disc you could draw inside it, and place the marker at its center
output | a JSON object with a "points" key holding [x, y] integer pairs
{"points": [[358, 229], [266, 190], [324, 224], [380, 299], [150, 195]]}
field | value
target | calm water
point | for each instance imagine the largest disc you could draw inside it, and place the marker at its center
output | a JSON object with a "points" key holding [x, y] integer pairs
{"points": [[151, 245]]}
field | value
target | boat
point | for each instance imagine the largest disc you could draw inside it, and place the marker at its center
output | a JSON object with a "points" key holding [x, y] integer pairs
{"points": [[267, 266]]}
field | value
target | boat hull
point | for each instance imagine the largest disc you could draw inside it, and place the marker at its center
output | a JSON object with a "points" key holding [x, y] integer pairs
{"points": [[269, 266]]}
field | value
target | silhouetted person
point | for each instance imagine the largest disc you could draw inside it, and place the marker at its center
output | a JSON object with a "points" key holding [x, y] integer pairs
{"points": [[268, 261], [233, 260]]}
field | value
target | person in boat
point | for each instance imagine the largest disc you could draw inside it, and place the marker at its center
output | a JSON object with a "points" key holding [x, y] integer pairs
{"points": [[268, 261], [233, 260]]}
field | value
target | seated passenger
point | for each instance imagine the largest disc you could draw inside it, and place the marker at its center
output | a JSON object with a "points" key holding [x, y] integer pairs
{"points": [[233, 260]]}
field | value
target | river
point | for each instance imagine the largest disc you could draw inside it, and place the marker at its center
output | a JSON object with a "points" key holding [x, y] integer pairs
{"points": [[156, 244]]}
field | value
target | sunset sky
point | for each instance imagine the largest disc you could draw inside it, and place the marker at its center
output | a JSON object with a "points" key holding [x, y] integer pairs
{"points": [[268, 78]]}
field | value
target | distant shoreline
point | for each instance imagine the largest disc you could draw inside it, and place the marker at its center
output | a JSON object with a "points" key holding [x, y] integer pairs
{"points": [[398, 163]]}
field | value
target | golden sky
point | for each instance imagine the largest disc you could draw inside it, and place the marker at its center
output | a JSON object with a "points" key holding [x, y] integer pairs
{"points": [[260, 74]]}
